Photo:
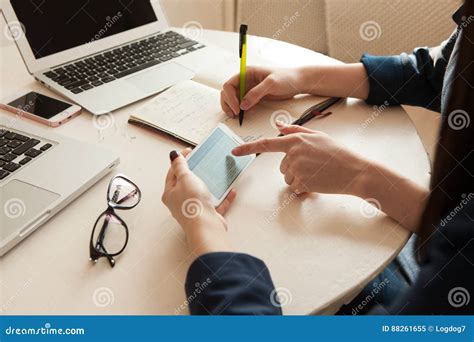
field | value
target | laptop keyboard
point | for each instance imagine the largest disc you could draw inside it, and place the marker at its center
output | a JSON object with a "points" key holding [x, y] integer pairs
{"points": [[122, 61], [17, 150]]}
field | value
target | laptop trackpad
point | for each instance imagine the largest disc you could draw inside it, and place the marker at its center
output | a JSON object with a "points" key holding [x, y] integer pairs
{"points": [[20, 203], [160, 77]]}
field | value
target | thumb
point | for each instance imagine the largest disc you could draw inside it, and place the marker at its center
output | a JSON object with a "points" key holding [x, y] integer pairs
{"points": [[291, 129], [255, 94], [179, 164]]}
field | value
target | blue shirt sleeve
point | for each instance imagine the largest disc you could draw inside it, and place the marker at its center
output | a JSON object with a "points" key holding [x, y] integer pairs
{"points": [[239, 284], [230, 284], [415, 79]]}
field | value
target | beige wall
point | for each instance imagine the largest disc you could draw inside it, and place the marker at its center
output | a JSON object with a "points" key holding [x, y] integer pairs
{"points": [[344, 29]]}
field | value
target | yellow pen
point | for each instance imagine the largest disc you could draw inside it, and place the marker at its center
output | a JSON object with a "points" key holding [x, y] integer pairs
{"points": [[243, 67]]}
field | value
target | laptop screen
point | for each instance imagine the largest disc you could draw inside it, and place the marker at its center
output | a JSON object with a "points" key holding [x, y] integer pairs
{"points": [[53, 26]]}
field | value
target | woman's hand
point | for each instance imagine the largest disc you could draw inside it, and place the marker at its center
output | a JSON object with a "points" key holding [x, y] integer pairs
{"points": [[261, 83], [340, 80], [314, 162], [189, 201]]}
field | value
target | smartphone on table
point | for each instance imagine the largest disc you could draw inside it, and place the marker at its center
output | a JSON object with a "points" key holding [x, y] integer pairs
{"points": [[42, 108], [213, 162]]}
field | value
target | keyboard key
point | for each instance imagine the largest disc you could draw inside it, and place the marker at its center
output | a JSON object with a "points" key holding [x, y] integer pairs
{"points": [[25, 160], [26, 146], [187, 44], [14, 143], [137, 68], [3, 132], [77, 84], [2, 162], [5, 150], [33, 153], [3, 174], [46, 147], [59, 71], [97, 83], [9, 135], [108, 79], [86, 87], [76, 90], [3, 142], [8, 157], [21, 137], [50, 74], [12, 167], [67, 81]]}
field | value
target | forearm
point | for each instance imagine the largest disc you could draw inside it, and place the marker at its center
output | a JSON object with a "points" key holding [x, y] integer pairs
{"points": [[399, 198], [345, 80], [207, 234]]}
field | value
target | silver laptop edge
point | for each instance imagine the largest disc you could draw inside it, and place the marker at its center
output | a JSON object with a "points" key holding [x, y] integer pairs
{"points": [[36, 192]]}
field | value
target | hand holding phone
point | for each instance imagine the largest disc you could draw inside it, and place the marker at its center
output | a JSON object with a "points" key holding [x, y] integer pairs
{"points": [[42, 108], [213, 162]]}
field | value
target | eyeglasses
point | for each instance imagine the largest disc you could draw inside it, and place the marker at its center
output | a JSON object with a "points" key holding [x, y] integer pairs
{"points": [[110, 234]]}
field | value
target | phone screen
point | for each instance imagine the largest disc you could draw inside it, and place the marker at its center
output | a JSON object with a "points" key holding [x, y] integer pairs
{"points": [[40, 105], [214, 163]]}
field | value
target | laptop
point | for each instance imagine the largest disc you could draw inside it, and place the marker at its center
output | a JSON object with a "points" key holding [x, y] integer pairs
{"points": [[103, 54], [40, 173]]}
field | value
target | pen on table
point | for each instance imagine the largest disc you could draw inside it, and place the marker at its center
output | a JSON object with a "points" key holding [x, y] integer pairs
{"points": [[243, 67], [315, 111]]}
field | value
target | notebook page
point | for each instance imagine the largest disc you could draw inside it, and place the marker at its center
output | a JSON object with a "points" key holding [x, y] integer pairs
{"points": [[190, 111], [187, 110]]}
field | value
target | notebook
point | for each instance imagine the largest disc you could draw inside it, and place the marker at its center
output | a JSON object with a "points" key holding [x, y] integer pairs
{"points": [[189, 111]]}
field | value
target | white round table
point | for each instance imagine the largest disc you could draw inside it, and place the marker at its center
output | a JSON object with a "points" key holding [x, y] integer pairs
{"points": [[320, 249]]}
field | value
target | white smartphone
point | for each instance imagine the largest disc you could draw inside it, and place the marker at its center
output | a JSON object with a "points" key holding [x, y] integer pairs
{"points": [[42, 108], [213, 162]]}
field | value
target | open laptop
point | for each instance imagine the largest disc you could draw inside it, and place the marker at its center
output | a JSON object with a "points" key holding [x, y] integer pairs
{"points": [[102, 54], [40, 173]]}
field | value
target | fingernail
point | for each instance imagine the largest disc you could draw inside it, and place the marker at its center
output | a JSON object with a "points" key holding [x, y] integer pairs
{"points": [[244, 105], [281, 123], [173, 155], [235, 151]]}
